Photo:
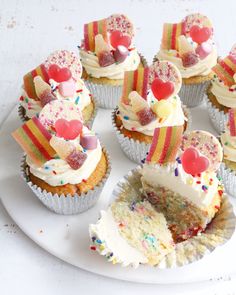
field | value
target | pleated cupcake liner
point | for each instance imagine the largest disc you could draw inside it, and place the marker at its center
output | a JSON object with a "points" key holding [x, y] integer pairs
{"points": [[228, 177], [108, 96], [89, 123], [136, 150], [218, 118], [67, 204], [193, 95], [218, 233]]}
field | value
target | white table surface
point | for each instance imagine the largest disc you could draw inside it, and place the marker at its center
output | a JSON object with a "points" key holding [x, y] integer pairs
{"points": [[29, 31]]}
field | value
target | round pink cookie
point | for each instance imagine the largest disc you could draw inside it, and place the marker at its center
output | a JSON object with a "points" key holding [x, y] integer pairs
{"points": [[59, 109], [67, 59], [120, 22], [167, 72], [196, 19], [207, 144]]}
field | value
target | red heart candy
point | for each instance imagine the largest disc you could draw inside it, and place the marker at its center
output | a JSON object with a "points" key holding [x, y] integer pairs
{"points": [[59, 74], [68, 129], [200, 35], [193, 163], [161, 89], [117, 38]]}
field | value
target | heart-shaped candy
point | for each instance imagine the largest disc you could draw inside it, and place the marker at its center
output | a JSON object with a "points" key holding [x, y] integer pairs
{"points": [[59, 74], [193, 163], [200, 35], [118, 38], [161, 89], [68, 129], [67, 88]]}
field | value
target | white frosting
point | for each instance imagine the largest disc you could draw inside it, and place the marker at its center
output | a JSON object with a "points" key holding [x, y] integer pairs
{"points": [[115, 71], [202, 68], [177, 118], [222, 93], [106, 230], [57, 172], [33, 107], [183, 184], [229, 145]]}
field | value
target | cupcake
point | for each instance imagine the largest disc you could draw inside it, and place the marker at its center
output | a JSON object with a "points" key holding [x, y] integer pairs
{"points": [[227, 169], [184, 187], [189, 45], [106, 52], [221, 95], [160, 212], [65, 165], [149, 100], [59, 77]]}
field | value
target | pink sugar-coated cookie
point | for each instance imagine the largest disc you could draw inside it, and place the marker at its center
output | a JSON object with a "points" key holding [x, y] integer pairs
{"points": [[196, 19], [120, 22], [65, 59], [207, 144], [167, 72], [59, 109]]}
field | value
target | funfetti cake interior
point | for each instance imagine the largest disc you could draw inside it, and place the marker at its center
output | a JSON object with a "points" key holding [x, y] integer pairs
{"points": [[185, 187]]}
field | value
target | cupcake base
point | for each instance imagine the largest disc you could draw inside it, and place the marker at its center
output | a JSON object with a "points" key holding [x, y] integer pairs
{"points": [[70, 199], [228, 177], [134, 144], [218, 114]]}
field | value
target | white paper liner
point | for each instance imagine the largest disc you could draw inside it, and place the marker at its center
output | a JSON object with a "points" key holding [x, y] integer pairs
{"points": [[67, 204], [217, 233], [193, 95], [135, 150], [228, 178], [217, 117], [89, 123]]}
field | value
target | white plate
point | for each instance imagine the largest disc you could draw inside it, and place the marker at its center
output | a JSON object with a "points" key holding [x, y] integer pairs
{"points": [[67, 236]]}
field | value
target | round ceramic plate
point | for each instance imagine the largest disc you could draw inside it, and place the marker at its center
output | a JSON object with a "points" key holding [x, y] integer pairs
{"points": [[67, 236]]}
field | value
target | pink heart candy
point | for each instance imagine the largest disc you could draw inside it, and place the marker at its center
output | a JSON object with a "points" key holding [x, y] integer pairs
{"points": [[68, 129], [67, 88], [203, 50], [193, 163]]}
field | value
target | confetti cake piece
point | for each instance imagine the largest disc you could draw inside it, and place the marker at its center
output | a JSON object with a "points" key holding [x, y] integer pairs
{"points": [[207, 144], [165, 71], [170, 35], [34, 140], [135, 81], [165, 144], [232, 122], [29, 86], [91, 30], [225, 70]]}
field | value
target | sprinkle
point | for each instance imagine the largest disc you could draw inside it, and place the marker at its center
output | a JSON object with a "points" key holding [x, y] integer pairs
{"points": [[98, 241], [101, 247], [46, 168], [220, 192], [26, 100], [121, 224], [190, 181], [84, 180], [132, 206], [21, 98], [198, 182], [176, 172], [93, 248], [54, 172], [217, 207], [133, 129], [204, 188], [143, 161], [77, 100], [79, 90], [62, 182], [226, 143], [94, 239], [178, 160], [126, 117]]}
